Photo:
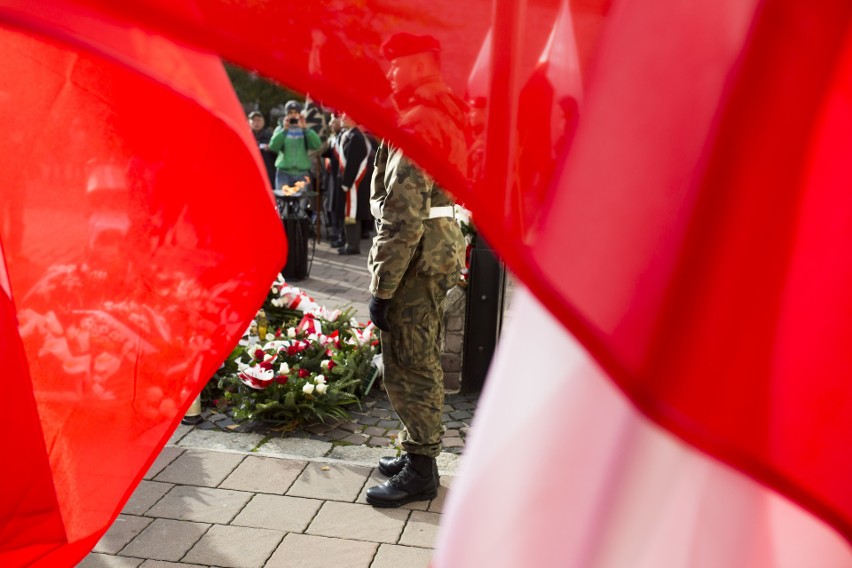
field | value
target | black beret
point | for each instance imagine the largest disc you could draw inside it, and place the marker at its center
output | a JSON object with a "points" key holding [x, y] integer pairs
{"points": [[404, 43]]}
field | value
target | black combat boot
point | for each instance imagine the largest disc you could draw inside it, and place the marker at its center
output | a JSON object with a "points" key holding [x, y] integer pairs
{"points": [[416, 482], [390, 466]]}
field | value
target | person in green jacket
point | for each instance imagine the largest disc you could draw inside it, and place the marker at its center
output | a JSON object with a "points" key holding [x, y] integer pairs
{"points": [[291, 141]]}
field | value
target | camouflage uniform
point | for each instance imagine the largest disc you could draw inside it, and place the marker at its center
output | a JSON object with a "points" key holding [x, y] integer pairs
{"points": [[414, 261]]}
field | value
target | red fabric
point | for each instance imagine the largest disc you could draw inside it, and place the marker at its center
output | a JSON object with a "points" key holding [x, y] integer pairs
{"points": [[140, 237], [691, 237]]}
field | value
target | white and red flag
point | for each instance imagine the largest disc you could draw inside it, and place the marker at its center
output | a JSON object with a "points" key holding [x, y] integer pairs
{"points": [[690, 233]]}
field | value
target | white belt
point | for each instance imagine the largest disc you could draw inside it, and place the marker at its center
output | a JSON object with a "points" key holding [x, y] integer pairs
{"points": [[446, 211]]}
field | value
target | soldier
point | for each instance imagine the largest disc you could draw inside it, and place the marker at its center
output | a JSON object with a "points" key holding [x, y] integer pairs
{"points": [[416, 257]]}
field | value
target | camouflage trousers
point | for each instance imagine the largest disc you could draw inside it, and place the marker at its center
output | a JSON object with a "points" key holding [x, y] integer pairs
{"points": [[411, 352]]}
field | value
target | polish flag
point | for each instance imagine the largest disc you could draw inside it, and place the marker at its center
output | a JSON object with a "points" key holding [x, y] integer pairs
{"points": [[699, 234]]}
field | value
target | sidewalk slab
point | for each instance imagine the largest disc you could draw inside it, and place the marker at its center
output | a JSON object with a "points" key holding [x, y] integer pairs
{"points": [[359, 522], [123, 530], [217, 440], [164, 564], [395, 556], [165, 539], [307, 551], [330, 481], [295, 447], [96, 560], [282, 513], [200, 504], [146, 496], [264, 475], [197, 467], [235, 547], [421, 529], [167, 456]]}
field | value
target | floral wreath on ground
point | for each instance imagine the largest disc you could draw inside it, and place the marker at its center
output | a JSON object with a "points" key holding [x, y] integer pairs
{"points": [[297, 362]]}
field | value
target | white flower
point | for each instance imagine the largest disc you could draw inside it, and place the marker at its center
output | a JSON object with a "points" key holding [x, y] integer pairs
{"points": [[274, 290], [270, 336], [312, 337], [319, 379], [291, 332], [308, 388], [277, 302], [324, 364], [284, 369], [322, 388]]}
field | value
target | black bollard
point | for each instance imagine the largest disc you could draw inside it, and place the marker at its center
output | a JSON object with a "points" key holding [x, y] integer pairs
{"points": [[483, 315]]}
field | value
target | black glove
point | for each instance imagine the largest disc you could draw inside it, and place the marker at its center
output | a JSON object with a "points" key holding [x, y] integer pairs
{"points": [[379, 312]]}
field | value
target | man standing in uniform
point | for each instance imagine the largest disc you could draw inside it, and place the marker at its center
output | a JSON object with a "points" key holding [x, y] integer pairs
{"points": [[416, 257]]}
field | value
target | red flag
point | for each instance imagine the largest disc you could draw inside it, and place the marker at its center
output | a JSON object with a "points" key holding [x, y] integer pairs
{"points": [[691, 239], [134, 265]]}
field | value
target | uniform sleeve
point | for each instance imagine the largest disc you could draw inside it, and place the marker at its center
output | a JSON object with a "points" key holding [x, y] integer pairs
{"points": [[403, 209], [356, 154]]}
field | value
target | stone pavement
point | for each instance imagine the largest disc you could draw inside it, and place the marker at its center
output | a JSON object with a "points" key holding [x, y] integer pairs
{"points": [[224, 495]]}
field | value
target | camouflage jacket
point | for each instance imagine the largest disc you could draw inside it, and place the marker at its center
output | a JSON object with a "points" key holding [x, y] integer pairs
{"points": [[402, 196]]}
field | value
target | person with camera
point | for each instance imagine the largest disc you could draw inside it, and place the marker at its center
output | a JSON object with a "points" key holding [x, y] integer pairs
{"points": [[292, 141]]}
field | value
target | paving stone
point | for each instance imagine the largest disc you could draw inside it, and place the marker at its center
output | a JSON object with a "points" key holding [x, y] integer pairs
{"points": [[218, 441], [197, 467], [165, 539], [123, 530], [395, 556], [355, 439], [448, 463], [447, 409], [461, 414], [264, 475], [350, 427], [337, 434], [464, 406], [181, 431], [330, 481], [393, 433], [216, 547], [451, 433], [200, 504], [445, 417], [358, 522], [365, 455], [464, 430], [388, 424], [145, 496], [374, 431], [452, 443], [167, 455], [225, 422], [95, 560], [164, 564], [308, 551], [421, 529], [282, 513], [436, 505], [216, 417], [206, 426], [368, 420], [379, 441], [295, 447]]}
